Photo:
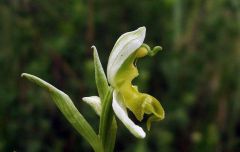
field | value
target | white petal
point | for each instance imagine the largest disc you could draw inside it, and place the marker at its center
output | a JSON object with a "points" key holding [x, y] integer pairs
{"points": [[123, 48], [94, 102], [121, 112]]}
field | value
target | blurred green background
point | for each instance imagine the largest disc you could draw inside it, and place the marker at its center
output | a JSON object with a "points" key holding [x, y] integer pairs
{"points": [[196, 77]]}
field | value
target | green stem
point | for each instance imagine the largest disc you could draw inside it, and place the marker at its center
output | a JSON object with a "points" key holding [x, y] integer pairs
{"points": [[110, 141], [106, 119]]}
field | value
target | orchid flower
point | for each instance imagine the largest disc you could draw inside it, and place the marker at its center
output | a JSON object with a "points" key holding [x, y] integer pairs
{"points": [[121, 70], [116, 94]]}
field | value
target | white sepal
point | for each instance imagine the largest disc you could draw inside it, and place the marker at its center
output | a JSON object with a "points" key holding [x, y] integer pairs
{"points": [[123, 48], [121, 112], [94, 102]]}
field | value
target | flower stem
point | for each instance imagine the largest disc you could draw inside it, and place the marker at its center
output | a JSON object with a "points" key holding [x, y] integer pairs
{"points": [[107, 126]]}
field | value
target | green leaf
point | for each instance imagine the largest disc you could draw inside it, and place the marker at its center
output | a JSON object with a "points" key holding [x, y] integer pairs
{"points": [[100, 77], [66, 106]]}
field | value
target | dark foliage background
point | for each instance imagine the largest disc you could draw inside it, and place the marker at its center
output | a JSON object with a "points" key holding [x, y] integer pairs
{"points": [[196, 77]]}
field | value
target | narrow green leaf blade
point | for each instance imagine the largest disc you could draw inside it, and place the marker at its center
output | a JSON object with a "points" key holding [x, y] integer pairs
{"points": [[100, 77], [66, 106]]}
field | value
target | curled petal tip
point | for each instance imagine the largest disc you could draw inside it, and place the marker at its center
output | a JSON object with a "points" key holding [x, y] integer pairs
{"points": [[93, 47]]}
